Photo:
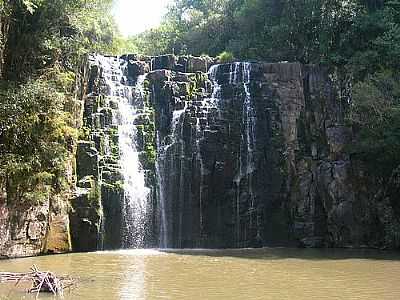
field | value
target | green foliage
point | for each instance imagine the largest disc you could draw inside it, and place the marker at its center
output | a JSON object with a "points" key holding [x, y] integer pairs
{"points": [[44, 42], [150, 153], [43, 33], [379, 143], [84, 133], [316, 31], [30, 5], [35, 136], [225, 57], [375, 115], [161, 40], [94, 195], [148, 157]]}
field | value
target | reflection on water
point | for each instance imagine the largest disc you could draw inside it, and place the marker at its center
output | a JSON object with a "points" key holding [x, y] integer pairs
{"points": [[221, 274], [134, 276]]}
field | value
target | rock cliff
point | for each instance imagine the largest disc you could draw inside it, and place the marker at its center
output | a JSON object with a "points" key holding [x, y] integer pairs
{"points": [[253, 154], [28, 229], [231, 155]]}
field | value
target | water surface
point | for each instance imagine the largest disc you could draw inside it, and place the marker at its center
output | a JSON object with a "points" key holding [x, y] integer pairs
{"points": [[220, 274]]}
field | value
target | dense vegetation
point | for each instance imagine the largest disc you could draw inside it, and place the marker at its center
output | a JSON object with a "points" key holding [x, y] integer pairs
{"points": [[359, 40], [42, 45]]}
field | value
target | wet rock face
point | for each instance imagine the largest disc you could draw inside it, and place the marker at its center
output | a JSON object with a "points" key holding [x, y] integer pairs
{"points": [[221, 160], [97, 216], [246, 155], [258, 160]]}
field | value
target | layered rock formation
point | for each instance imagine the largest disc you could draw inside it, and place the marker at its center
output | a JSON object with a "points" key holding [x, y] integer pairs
{"points": [[28, 229], [99, 211], [253, 154], [233, 155], [258, 156], [248, 155]]}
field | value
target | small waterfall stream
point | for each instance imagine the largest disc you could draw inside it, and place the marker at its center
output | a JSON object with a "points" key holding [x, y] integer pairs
{"points": [[239, 77], [130, 104], [166, 151], [163, 230]]}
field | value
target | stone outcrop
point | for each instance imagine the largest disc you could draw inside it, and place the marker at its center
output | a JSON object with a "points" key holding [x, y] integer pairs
{"points": [[86, 218], [184, 64], [234, 155], [260, 159], [31, 229], [97, 216], [248, 155]]}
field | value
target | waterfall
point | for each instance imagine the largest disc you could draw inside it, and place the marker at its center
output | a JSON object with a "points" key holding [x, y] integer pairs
{"points": [[163, 231], [184, 126], [191, 159], [165, 149], [248, 142], [136, 193], [239, 75], [130, 106], [182, 159], [249, 120]]}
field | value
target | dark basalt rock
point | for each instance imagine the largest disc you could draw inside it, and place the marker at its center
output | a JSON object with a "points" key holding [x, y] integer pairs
{"points": [[85, 221], [247, 155], [112, 196], [87, 160], [295, 183], [163, 62], [182, 64]]}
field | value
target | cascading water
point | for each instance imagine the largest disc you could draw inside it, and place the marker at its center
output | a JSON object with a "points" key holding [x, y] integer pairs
{"points": [[136, 192], [163, 230], [130, 104], [162, 172], [182, 139], [249, 120], [240, 75]]}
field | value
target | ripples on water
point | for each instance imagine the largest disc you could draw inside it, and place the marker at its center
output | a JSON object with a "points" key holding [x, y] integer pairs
{"points": [[221, 274]]}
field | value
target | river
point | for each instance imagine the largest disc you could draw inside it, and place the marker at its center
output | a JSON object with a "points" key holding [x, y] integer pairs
{"points": [[269, 273]]}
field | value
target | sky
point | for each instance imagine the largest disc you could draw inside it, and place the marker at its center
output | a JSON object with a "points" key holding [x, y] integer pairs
{"points": [[135, 16]]}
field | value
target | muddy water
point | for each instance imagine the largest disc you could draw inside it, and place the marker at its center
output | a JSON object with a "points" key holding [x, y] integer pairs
{"points": [[221, 274]]}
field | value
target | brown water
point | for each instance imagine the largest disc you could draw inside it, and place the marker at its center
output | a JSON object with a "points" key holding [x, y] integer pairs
{"points": [[221, 274]]}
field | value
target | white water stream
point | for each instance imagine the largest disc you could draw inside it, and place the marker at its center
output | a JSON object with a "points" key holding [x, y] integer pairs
{"points": [[129, 99]]}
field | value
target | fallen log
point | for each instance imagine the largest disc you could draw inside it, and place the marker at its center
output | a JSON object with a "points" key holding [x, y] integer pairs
{"points": [[42, 282]]}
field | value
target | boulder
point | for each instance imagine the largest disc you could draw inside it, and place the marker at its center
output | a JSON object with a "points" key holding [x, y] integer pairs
{"points": [[163, 62], [58, 238]]}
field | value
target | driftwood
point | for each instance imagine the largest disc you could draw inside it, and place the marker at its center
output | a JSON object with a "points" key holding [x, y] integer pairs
{"points": [[45, 282]]}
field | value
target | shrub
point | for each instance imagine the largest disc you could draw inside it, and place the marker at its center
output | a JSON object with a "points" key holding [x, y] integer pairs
{"points": [[225, 57], [35, 137]]}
